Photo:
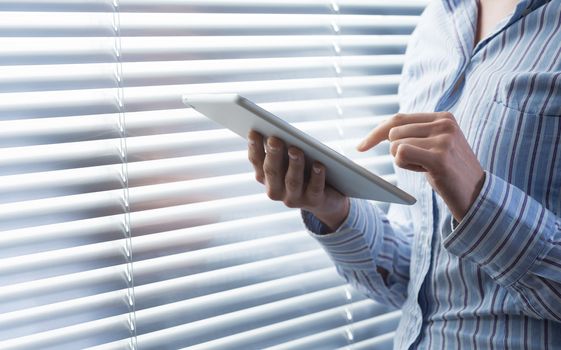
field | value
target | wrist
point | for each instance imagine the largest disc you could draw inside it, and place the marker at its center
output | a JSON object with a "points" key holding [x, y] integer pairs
{"points": [[459, 211], [334, 216]]}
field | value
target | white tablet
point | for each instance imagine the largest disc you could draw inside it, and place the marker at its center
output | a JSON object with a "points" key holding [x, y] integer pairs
{"points": [[241, 115]]}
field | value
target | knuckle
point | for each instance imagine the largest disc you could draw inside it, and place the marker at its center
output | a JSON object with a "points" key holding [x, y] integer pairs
{"points": [[441, 125], [273, 194], [292, 183], [451, 125], [446, 140], [440, 157], [447, 115], [252, 158], [259, 178], [315, 190], [291, 202], [399, 118], [394, 147], [400, 162], [400, 151], [393, 134], [401, 156], [270, 171]]}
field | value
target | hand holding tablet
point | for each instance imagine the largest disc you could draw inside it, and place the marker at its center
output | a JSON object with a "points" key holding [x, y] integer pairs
{"points": [[292, 183], [241, 116]]}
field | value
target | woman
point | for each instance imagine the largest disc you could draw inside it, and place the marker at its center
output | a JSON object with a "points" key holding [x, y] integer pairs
{"points": [[476, 263]]}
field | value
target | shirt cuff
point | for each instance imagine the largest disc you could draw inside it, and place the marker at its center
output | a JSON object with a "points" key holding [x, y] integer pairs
{"points": [[315, 226], [504, 231], [352, 243]]}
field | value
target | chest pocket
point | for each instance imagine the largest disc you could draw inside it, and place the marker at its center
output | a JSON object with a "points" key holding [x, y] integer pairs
{"points": [[520, 143], [534, 93]]}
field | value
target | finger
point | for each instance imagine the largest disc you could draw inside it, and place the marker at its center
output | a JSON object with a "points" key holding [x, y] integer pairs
{"points": [[424, 143], [274, 168], [256, 154], [316, 185], [415, 158], [411, 130], [294, 179], [381, 132]]}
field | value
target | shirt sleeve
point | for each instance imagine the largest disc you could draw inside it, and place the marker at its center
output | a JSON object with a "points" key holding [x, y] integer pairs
{"points": [[517, 241], [364, 242]]}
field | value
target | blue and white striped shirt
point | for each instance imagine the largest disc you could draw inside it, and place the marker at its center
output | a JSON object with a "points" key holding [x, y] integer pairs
{"points": [[492, 281]]}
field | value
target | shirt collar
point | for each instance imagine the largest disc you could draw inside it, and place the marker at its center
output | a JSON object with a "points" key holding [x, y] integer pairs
{"points": [[466, 31]]}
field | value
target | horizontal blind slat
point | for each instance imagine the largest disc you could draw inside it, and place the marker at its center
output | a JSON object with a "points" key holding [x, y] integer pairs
{"points": [[60, 288], [86, 205], [269, 6], [338, 337], [61, 262], [29, 132], [103, 101], [133, 24], [65, 313], [141, 49], [65, 261], [59, 183], [37, 50], [95, 24], [66, 182], [59, 209], [91, 231], [274, 334], [237, 321], [201, 75], [38, 158], [220, 280], [55, 289], [286, 328], [56, 5], [82, 206], [60, 236], [69, 50], [62, 314], [262, 292], [204, 314], [376, 326], [209, 259], [384, 341], [76, 336]]}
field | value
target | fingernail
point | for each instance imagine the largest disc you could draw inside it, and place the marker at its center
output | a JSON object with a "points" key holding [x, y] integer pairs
{"points": [[359, 147], [316, 169], [292, 155], [271, 147], [251, 142]]}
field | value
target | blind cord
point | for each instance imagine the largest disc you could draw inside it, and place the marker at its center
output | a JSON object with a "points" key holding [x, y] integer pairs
{"points": [[122, 125]]}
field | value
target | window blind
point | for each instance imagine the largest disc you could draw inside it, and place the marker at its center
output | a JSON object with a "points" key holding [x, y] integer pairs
{"points": [[128, 221]]}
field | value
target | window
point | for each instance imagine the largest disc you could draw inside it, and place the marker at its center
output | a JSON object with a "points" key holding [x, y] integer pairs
{"points": [[129, 221]]}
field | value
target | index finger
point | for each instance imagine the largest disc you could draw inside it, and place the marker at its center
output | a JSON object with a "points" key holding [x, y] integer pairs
{"points": [[256, 154], [382, 131]]}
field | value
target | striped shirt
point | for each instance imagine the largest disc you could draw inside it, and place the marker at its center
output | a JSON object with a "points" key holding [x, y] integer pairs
{"points": [[492, 281]]}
